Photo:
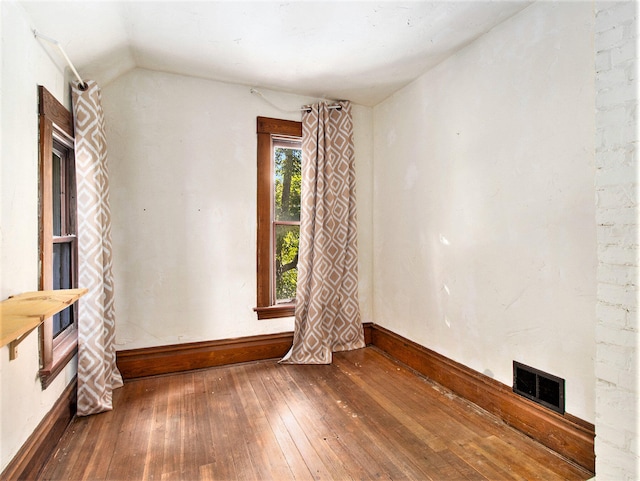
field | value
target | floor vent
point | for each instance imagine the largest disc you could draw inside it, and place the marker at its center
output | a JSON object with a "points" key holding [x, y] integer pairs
{"points": [[539, 386]]}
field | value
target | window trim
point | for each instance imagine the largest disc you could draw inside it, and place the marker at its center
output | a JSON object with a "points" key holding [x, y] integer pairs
{"points": [[266, 129], [55, 122]]}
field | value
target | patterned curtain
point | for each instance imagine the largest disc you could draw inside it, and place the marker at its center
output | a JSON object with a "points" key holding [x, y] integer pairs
{"points": [[97, 371], [327, 311]]}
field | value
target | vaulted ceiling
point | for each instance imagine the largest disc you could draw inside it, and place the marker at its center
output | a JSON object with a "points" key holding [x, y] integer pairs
{"points": [[357, 50]]}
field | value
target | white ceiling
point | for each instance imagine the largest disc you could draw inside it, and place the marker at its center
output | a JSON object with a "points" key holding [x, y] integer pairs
{"points": [[356, 50]]}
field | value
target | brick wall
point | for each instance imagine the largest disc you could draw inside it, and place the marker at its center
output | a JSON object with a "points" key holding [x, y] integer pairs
{"points": [[616, 183]]}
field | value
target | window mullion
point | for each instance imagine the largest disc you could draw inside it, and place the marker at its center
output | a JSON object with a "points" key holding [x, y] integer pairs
{"points": [[59, 239], [64, 229]]}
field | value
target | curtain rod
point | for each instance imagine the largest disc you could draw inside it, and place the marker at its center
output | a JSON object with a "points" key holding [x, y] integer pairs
{"points": [[82, 83], [332, 106], [303, 109]]}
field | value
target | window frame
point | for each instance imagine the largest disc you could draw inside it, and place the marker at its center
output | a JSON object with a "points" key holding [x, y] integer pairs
{"points": [[268, 129], [55, 125]]}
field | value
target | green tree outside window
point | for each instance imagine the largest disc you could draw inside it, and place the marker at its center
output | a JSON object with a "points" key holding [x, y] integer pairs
{"points": [[288, 183]]}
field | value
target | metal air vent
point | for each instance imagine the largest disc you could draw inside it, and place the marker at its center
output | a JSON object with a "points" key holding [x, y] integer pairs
{"points": [[539, 386]]}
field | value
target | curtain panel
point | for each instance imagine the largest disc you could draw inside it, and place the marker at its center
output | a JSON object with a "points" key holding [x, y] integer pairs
{"points": [[97, 371], [327, 312]]}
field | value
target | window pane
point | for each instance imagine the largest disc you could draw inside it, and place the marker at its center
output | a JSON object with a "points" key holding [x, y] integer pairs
{"points": [[62, 320], [288, 178], [62, 280], [56, 195], [287, 239]]}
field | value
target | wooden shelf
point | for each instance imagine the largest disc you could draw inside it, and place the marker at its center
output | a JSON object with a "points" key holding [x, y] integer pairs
{"points": [[21, 314]]}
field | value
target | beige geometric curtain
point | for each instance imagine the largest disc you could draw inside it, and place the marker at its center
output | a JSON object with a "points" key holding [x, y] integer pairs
{"points": [[327, 310], [97, 371]]}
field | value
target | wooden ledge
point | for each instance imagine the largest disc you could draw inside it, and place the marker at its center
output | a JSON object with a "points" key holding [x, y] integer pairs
{"points": [[21, 314]]}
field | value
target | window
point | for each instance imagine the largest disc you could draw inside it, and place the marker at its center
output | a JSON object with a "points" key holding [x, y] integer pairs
{"points": [[279, 186], [58, 232]]}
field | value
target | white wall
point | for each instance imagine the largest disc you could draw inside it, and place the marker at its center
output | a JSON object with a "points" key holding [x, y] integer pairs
{"points": [[481, 194], [182, 155], [25, 64], [617, 373], [484, 240]]}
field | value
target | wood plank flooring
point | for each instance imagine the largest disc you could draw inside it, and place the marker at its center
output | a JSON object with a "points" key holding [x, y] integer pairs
{"points": [[363, 417]]}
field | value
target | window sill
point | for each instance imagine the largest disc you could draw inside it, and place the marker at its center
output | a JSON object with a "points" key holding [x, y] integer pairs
{"points": [[274, 312], [63, 352]]}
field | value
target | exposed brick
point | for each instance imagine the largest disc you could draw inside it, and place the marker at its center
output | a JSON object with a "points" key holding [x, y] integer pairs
{"points": [[632, 113], [621, 215], [610, 38], [615, 437], [607, 372], [624, 296], [633, 323], [630, 131], [614, 14], [621, 195], [630, 31], [628, 379], [635, 443], [617, 115], [603, 61], [612, 77], [616, 96], [617, 255], [611, 138], [613, 463], [626, 52], [614, 158], [616, 182], [618, 357], [601, 140], [616, 406], [611, 315], [618, 337], [621, 275], [616, 196], [616, 175]]}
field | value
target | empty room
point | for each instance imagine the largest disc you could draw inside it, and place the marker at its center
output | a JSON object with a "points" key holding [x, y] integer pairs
{"points": [[318, 240]]}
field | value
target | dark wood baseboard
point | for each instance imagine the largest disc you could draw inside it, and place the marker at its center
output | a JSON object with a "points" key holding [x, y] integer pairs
{"points": [[153, 361], [565, 434], [34, 453]]}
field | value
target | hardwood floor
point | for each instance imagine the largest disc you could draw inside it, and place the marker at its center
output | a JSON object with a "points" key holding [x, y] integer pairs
{"points": [[363, 417]]}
